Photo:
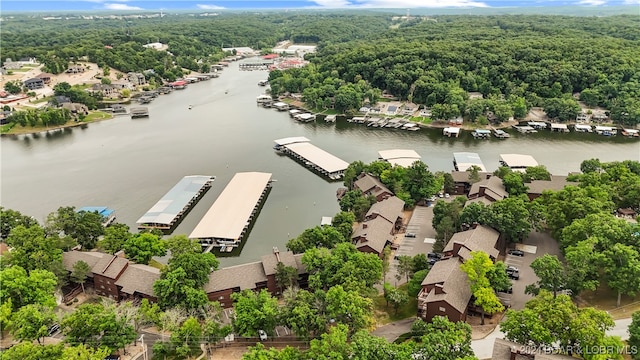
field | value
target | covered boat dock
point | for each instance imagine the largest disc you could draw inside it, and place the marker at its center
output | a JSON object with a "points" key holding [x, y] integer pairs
{"points": [[400, 157], [168, 211], [517, 162], [108, 215], [228, 220], [312, 156], [465, 160]]}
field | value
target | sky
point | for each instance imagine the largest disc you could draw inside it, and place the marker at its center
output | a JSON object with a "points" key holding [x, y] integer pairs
{"points": [[215, 5]]}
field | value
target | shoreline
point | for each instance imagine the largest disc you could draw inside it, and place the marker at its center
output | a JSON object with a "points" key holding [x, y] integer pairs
{"points": [[60, 127]]}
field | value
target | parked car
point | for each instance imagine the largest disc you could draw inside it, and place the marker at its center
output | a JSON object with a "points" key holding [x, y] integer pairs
{"points": [[432, 261], [511, 268], [262, 334], [433, 198], [434, 256], [516, 252], [54, 329], [513, 275], [410, 235]]}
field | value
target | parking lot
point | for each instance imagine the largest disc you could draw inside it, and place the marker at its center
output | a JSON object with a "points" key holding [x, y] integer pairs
{"points": [[422, 243]]}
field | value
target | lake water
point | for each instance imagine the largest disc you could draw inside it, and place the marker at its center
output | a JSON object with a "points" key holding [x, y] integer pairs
{"points": [[129, 164]]}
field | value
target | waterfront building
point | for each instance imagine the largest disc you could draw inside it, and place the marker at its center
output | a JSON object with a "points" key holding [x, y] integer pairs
{"points": [[517, 162], [312, 156], [399, 157], [228, 220], [465, 160], [175, 204]]}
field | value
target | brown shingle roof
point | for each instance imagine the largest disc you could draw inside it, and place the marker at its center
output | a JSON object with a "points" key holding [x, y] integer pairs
{"points": [[302, 268], [482, 238], [454, 281], [556, 183], [243, 276], [376, 232], [269, 262], [389, 208], [493, 188], [367, 183], [138, 278], [70, 258], [110, 266], [483, 200]]}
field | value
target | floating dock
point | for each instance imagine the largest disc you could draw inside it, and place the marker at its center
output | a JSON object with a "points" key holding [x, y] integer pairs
{"points": [[399, 157], [481, 133], [451, 131], [538, 125], [465, 160], [138, 112], [312, 156], [582, 128], [108, 215], [517, 162], [606, 130], [176, 203], [501, 134], [559, 127], [228, 220], [330, 118]]}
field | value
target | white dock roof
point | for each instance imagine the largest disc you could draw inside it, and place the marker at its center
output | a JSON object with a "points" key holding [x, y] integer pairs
{"points": [[558, 126], [451, 130], [465, 160], [400, 157], [175, 200], [586, 127], [518, 160], [229, 214], [330, 163], [291, 140]]}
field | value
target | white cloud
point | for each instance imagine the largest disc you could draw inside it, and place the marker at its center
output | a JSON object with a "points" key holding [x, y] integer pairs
{"points": [[209, 7], [112, 6], [398, 3], [592, 2], [632, 2]]}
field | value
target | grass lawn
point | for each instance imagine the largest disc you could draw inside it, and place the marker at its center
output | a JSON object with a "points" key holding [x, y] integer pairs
{"points": [[41, 100], [97, 115], [605, 299], [6, 128], [422, 119], [155, 264], [384, 315]]}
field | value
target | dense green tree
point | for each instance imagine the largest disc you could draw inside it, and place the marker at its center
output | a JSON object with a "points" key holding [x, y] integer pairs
{"points": [[9, 219], [32, 322], [142, 247], [254, 311], [634, 334], [404, 267], [608, 229], [445, 340], [563, 109], [539, 172], [21, 289], [80, 272], [176, 288], [325, 236], [498, 278], [487, 300], [415, 284], [396, 298], [95, 325], [285, 276], [551, 274], [622, 269], [31, 249], [349, 307], [85, 227], [583, 266], [13, 87], [514, 184], [114, 238], [188, 335], [32, 351], [511, 218]]}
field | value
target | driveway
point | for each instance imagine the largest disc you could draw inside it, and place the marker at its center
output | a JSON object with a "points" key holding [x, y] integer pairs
{"points": [[422, 243]]}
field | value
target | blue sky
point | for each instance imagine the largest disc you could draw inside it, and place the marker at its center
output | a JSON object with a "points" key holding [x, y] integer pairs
{"points": [[203, 5]]}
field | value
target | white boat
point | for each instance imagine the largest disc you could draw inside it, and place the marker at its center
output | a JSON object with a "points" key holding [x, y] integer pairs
{"points": [[261, 99]]}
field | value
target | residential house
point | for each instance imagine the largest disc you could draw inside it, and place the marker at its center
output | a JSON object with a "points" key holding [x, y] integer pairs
{"points": [[46, 77], [59, 99], [107, 90], [76, 108], [11, 65], [34, 83], [491, 188], [557, 183], [599, 116], [445, 292], [380, 225], [114, 276], [370, 185], [252, 276], [627, 213], [582, 117], [136, 78], [462, 182], [121, 85], [75, 69], [480, 238]]}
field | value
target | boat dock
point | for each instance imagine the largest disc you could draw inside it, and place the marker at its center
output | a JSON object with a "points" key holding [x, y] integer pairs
{"points": [[280, 106], [582, 128], [481, 133], [462, 161], [108, 215], [330, 118], [525, 129], [559, 127], [312, 156], [138, 112], [176, 203], [517, 162], [399, 157], [631, 132], [229, 219], [606, 130], [451, 131], [538, 125], [305, 117], [501, 134]]}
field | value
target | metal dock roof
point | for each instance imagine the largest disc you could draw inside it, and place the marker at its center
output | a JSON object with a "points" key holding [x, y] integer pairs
{"points": [[518, 160], [230, 213], [291, 140], [102, 210], [465, 160], [400, 157], [328, 162], [175, 200]]}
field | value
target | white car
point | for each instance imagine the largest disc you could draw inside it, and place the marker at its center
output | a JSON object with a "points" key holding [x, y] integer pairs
{"points": [[262, 334]]}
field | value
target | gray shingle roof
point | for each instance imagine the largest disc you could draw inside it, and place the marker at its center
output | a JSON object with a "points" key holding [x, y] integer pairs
{"points": [[243, 276], [70, 258], [454, 281], [389, 208], [269, 262], [367, 183], [493, 187], [110, 266], [556, 183], [376, 232], [482, 238], [138, 278]]}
